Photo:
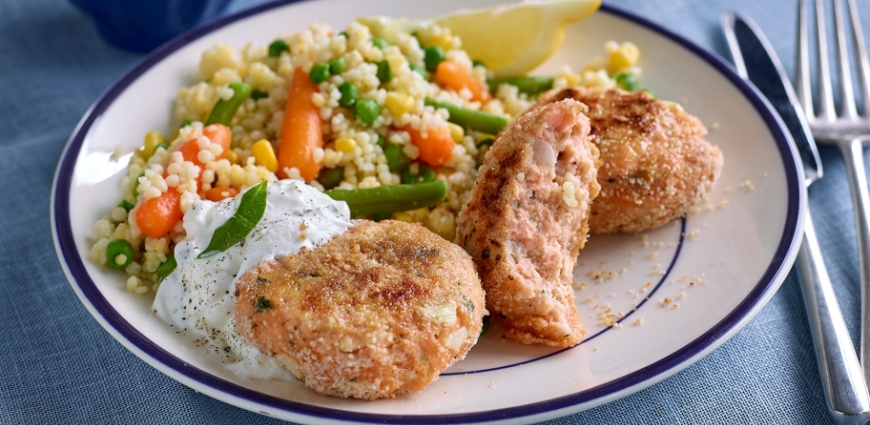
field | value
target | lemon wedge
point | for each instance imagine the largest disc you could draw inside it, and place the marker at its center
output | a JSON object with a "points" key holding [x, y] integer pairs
{"points": [[514, 39], [511, 39]]}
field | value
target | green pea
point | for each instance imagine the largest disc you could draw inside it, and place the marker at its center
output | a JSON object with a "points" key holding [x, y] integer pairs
{"points": [[256, 94], [337, 66], [236, 229], [349, 94], [432, 56], [380, 43], [319, 73], [367, 110], [167, 266], [385, 74], [185, 123], [330, 177], [380, 142], [424, 175], [117, 248], [277, 47], [478, 63], [420, 70], [396, 158], [625, 81], [649, 92], [126, 205]]}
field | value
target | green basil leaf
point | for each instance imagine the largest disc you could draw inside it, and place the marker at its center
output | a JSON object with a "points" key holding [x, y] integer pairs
{"points": [[250, 212]]}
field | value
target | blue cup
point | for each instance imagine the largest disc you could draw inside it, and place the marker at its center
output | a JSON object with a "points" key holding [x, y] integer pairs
{"points": [[142, 25]]}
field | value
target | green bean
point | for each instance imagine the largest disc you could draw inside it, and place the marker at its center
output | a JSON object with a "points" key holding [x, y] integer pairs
{"points": [[330, 177], [251, 210], [425, 174], [470, 118], [391, 199], [167, 266], [119, 248], [396, 158], [485, 142], [278, 46], [528, 85], [224, 109]]}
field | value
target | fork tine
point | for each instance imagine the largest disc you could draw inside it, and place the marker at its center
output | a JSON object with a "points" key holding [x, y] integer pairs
{"points": [[826, 97], [847, 93], [802, 74], [863, 62]]}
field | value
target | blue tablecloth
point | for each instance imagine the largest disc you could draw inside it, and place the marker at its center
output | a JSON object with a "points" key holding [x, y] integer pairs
{"points": [[57, 365]]}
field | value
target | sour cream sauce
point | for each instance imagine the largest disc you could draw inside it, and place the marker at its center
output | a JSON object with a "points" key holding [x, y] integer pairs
{"points": [[197, 299]]}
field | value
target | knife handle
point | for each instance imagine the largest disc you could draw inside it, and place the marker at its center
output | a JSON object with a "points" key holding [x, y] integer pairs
{"points": [[848, 400]]}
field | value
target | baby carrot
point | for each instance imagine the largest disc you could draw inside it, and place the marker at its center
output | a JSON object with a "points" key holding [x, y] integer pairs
{"points": [[217, 133], [302, 131], [455, 78], [435, 149], [157, 216]]}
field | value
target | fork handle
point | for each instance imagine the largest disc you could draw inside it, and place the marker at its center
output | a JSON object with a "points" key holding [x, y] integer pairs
{"points": [[853, 156], [848, 400]]}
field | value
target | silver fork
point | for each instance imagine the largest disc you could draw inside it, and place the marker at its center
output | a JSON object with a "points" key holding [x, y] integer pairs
{"points": [[847, 130]]}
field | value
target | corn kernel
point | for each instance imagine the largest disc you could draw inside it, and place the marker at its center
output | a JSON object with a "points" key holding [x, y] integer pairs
{"points": [[456, 132], [403, 217], [152, 139], [572, 79], [232, 157], [345, 144], [398, 103], [265, 155], [626, 56], [443, 41]]}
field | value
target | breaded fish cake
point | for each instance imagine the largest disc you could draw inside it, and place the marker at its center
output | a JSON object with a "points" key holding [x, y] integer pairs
{"points": [[377, 311], [527, 219], [655, 161]]}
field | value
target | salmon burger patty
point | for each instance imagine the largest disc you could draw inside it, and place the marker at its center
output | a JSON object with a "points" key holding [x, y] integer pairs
{"points": [[655, 163], [377, 311], [527, 220]]}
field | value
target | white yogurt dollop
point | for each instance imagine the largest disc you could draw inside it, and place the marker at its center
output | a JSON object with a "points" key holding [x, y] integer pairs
{"points": [[198, 297]]}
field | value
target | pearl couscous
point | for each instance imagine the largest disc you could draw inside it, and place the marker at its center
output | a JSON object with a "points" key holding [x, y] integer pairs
{"points": [[377, 104]]}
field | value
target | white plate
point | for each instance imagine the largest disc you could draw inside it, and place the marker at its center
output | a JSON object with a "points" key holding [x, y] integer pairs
{"points": [[720, 266]]}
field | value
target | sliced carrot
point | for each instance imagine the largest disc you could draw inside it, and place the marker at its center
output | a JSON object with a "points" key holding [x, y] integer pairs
{"points": [[217, 194], [435, 149], [302, 131], [157, 216], [455, 78]]}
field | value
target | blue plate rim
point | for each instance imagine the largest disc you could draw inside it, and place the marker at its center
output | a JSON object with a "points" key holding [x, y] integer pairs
{"points": [[718, 334]]}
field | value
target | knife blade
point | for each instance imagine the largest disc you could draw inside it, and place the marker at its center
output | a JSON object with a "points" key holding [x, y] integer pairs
{"points": [[846, 394], [756, 61]]}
